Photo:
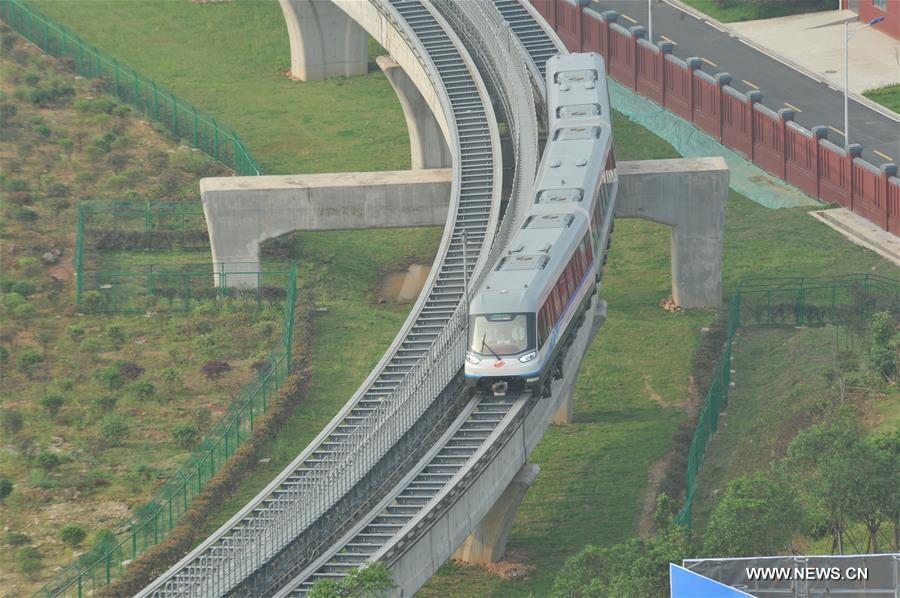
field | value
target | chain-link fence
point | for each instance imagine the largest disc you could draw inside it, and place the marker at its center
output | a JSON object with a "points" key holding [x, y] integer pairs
{"points": [[848, 300], [148, 527], [180, 117]]}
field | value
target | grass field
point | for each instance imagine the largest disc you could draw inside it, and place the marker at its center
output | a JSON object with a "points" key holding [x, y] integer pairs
{"points": [[730, 11], [636, 378], [316, 127], [888, 96]]}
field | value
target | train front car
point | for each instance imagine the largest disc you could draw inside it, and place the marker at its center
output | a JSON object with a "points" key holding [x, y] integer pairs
{"points": [[534, 299]]}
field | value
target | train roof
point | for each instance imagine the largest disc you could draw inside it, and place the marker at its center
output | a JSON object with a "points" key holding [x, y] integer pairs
{"points": [[577, 87], [536, 254]]}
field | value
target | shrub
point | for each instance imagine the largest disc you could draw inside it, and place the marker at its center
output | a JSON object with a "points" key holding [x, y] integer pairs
{"points": [[11, 421], [20, 198], [72, 535], [4, 355], [116, 335], [16, 185], [23, 287], [67, 146], [48, 461], [6, 487], [117, 181], [130, 370], [94, 302], [24, 215], [158, 160], [106, 402], [29, 562], [12, 300], [28, 361], [202, 417], [185, 435], [117, 161], [7, 112], [114, 429], [109, 377], [144, 390], [52, 403], [26, 311], [215, 369], [16, 539], [75, 333], [172, 379], [57, 190]]}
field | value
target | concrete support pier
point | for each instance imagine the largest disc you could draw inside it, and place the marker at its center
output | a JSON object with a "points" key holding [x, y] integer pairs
{"points": [[689, 195], [565, 411], [325, 42], [427, 146], [487, 543], [242, 212]]}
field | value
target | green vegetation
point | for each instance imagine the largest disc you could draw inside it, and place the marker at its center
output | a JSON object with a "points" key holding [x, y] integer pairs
{"points": [[729, 11], [888, 96], [288, 128], [371, 581]]}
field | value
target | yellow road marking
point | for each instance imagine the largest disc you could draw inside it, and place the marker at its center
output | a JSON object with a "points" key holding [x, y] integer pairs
{"points": [[883, 155], [750, 84], [793, 107], [670, 40], [838, 131], [629, 18], [709, 62]]}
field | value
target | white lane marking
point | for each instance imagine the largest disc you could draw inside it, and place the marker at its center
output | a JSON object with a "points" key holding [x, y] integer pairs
{"points": [[750, 84], [883, 155], [792, 106], [624, 16], [838, 131], [709, 62]]}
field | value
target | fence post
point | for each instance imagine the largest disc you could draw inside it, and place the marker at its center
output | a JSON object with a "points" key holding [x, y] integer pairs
{"points": [[96, 63], [819, 132], [784, 115], [664, 48], [722, 79], [155, 100], [693, 64], [174, 115], [116, 72], [137, 89], [887, 171], [854, 150], [637, 31], [215, 139]]}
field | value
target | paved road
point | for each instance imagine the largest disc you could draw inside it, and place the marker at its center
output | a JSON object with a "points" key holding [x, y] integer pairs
{"points": [[782, 87]]}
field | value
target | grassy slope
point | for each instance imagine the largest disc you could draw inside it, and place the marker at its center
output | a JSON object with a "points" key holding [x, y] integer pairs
{"points": [[748, 10], [236, 50], [95, 485], [596, 467], [888, 96]]}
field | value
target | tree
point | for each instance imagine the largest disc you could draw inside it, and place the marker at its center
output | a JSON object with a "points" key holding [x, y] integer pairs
{"points": [[110, 377], [171, 379], [369, 581], [48, 461], [28, 362], [884, 350], [876, 467], [185, 435], [845, 374], [144, 390], [52, 403], [29, 561], [633, 568], [820, 460], [756, 515], [72, 535]]}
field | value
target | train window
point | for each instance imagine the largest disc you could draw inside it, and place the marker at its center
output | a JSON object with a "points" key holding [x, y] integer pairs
{"points": [[522, 262], [501, 333], [549, 221], [579, 76], [559, 195], [576, 133], [578, 111]]}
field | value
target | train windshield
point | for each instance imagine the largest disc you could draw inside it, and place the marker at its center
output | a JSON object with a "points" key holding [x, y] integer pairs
{"points": [[501, 334]]}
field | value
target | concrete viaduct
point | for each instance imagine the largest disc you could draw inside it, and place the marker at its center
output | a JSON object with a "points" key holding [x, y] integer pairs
{"points": [[433, 470]]}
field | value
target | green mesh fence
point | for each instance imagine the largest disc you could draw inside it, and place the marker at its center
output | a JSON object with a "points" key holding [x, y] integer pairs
{"points": [[782, 302], [150, 525], [180, 117]]}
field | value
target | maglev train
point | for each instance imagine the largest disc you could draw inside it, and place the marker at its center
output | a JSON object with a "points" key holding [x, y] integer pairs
{"points": [[532, 302]]}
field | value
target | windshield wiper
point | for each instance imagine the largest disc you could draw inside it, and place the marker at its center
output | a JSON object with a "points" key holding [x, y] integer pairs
{"points": [[484, 344]]}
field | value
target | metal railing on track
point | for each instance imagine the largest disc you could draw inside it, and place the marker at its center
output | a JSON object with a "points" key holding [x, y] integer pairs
{"points": [[423, 359]]}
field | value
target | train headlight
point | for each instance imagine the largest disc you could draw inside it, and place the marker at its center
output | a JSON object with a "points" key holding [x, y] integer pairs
{"points": [[528, 357], [472, 359]]}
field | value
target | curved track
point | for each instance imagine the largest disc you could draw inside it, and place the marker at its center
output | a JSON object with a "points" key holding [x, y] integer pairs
{"points": [[408, 440], [413, 372]]}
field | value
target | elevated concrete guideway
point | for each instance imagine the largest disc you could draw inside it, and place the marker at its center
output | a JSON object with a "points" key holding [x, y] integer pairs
{"points": [[686, 194]]}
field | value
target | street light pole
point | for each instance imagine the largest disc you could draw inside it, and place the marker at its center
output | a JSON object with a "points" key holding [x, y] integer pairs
{"points": [[650, 20], [847, 36]]}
